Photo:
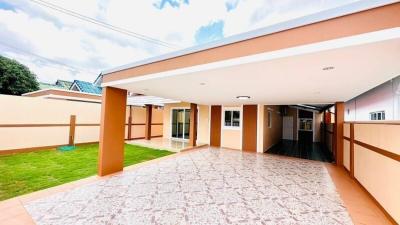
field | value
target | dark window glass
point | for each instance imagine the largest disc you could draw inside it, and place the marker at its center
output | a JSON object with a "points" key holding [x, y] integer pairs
{"points": [[236, 118], [228, 118]]}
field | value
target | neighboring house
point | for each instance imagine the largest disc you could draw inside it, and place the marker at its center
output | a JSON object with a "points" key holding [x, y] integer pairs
{"points": [[59, 84], [98, 80], [379, 103], [66, 90], [86, 87], [64, 84]]}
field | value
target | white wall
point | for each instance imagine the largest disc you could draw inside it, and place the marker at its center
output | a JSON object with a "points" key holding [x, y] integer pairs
{"points": [[385, 97]]}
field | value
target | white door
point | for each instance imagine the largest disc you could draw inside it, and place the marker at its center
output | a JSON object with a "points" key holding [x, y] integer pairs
{"points": [[287, 128]]}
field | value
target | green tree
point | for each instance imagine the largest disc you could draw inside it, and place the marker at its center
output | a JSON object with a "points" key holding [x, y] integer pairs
{"points": [[15, 78]]}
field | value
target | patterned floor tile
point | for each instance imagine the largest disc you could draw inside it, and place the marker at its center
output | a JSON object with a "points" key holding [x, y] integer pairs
{"points": [[208, 186]]}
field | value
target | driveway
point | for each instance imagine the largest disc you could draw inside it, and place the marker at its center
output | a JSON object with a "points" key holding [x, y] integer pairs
{"points": [[205, 186]]}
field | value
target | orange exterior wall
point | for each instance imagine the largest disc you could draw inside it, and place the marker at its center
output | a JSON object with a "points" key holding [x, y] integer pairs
{"points": [[384, 17]]}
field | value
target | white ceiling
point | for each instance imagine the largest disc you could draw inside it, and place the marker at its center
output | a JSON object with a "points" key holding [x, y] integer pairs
{"points": [[286, 80], [142, 100]]}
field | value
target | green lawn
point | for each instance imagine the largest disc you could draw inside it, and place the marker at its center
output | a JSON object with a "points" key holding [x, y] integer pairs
{"points": [[28, 172]]}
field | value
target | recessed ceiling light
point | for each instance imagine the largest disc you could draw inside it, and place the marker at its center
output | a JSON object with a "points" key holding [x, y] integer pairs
{"points": [[243, 97], [328, 68]]}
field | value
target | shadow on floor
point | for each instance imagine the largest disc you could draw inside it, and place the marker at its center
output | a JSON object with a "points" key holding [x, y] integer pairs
{"points": [[312, 151]]}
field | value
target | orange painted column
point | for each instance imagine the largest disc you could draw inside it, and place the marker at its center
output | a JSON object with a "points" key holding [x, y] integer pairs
{"points": [[215, 125], [193, 124], [352, 150], [112, 131], [339, 120], [147, 131], [129, 137]]}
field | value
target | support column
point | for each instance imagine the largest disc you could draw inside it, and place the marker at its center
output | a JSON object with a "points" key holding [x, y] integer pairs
{"points": [[193, 124], [149, 112], [339, 120], [112, 131], [130, 124], [352, 150], [72, 124], [260, 128]]}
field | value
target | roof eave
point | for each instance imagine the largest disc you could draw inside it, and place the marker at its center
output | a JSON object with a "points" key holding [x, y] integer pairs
{"points": [[287, 25]]}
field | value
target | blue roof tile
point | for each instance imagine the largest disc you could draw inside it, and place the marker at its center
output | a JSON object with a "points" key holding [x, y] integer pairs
{"points": [[87, 87]]}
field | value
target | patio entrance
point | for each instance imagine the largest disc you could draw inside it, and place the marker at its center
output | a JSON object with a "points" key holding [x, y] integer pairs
{"points": [[180, 124]]}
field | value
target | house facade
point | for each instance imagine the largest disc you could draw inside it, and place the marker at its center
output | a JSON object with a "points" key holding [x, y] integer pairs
{"points": [[237, 84], [231, 91]]}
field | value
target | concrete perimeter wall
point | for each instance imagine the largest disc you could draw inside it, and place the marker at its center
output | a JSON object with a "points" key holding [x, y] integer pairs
{"points": [[372, 155], [29, 122]]}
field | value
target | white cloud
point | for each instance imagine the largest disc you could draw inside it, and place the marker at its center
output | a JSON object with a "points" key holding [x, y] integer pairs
{"points": [[91, 48]]}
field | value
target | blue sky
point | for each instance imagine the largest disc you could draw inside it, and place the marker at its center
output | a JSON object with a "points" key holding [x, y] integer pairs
{"points": [[57, 46]]}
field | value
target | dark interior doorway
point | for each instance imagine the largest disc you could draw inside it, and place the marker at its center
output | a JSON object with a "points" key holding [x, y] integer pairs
{"points": [[304, 150]]}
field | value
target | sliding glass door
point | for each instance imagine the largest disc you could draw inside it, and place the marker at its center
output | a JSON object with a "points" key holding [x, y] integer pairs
{"points": [[180, 123]]}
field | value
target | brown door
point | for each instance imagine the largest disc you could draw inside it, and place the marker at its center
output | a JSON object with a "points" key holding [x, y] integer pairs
{"points": [[249, 133], [215, 125]]}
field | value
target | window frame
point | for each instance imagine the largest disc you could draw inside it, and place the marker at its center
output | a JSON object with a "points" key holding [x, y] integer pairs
{"points": [[374, 116], [231, 109]]}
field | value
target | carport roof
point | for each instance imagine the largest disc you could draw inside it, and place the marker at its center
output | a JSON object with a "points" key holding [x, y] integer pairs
{"points": [[351, 8], [327, 57]]}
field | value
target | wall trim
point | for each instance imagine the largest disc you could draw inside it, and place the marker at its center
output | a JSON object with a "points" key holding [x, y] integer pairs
{"points": [[380, 151], [66, 125]]}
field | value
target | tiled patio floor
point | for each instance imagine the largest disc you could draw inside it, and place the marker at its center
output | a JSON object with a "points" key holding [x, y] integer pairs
{"points": [[203, 187]]}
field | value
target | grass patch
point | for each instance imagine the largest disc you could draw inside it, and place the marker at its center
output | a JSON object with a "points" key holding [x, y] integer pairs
{"points": [[28, 172]]}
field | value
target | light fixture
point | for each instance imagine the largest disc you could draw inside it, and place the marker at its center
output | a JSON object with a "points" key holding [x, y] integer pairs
{"points": [[202, 84], [243, 97], [328, 68]]}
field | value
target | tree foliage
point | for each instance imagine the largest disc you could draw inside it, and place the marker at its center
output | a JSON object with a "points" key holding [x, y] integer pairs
{"points": [[15, 78]]}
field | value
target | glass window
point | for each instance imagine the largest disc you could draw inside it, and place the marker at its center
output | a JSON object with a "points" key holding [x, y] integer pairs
{"points": [[228, 118], [232, 118], [380, 115], [236, 118]]}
